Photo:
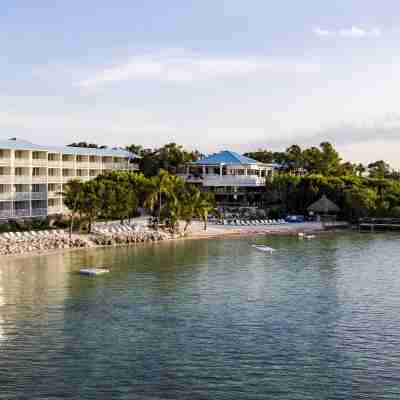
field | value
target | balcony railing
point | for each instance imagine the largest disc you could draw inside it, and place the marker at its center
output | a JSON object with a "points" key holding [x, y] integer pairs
{"points": [[54, 193], [5, 213], [7, 196], [54, 164], [5, 161], [39, 195], [68, 164], [39, 179], [20, 196], [22, 212], [54, 178], [6, 178], [83, 177], [95, 165], [22, 162], [38, 162], [37, 212], [226, 180], [22, 178], [66, 179], [82, 164]]}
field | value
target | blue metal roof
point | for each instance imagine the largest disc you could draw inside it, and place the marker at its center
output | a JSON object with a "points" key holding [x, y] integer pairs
{"points": [[227, 158], [19, 144]]}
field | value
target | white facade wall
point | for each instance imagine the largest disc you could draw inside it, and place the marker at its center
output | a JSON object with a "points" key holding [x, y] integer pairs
{"points": [[31, 181]]}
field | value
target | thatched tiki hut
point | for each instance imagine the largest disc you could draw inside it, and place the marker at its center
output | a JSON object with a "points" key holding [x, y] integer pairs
{"points": [[324, 208]]}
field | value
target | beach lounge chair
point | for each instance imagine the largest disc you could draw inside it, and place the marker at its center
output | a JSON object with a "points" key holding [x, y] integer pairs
{"points": [[27, 235]]}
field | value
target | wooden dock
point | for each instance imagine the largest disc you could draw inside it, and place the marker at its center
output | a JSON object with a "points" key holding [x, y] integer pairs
{"points": [[379, 224]]}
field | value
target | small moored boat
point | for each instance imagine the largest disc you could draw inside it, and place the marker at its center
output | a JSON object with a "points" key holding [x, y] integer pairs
{"points": [[265, 249], [94, 271], [309, 237]]}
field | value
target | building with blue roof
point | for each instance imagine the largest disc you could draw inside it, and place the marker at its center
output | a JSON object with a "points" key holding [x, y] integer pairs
{"points": [[235, 180], [32, 176]]}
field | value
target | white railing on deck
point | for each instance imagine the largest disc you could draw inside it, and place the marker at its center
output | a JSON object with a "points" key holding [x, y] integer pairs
{"points": [[226, 180]]}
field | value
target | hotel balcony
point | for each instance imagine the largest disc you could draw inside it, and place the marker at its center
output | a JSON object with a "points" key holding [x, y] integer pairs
{"points": [[5, 157], [39, 179], [6, 161], [6, 213], [66, 179], [21, 196], [22, 162], [39, 212], [68, 164], [6, 178], [226, 180], [22, 178], [94, 172], [83, 178], [39, 162], [54, 179], [54, 163], [107, 166], [55, 194], [22, 212], [39, 195], [6, 196], [82, 165], [95, 165]]}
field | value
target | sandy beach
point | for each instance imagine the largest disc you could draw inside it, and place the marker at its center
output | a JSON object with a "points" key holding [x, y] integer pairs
{"points": [[197, 229]]}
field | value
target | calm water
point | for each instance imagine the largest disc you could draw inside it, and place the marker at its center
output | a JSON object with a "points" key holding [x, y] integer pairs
{"points": [[208, 319]]}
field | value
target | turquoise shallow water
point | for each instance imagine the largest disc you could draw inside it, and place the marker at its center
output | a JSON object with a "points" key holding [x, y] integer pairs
{"points": [[206, 319]]}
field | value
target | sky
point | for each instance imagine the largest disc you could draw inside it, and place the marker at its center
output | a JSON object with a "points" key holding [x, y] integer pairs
{"points": [[208, 74]]}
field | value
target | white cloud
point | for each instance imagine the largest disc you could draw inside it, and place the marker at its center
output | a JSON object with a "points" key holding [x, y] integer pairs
{"points": [[322, 32], [353, 32], [189, 68]]}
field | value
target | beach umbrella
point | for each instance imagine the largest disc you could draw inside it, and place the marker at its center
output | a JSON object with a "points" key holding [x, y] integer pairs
{"points": [[323, 206]]}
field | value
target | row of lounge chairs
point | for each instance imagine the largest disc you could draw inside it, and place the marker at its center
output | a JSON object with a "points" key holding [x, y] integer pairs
{"points": [[30, 235], [115, 228], [253, 222]]}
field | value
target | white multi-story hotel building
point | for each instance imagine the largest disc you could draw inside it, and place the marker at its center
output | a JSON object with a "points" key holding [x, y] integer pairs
{"points": [[32, 176], [234, 179]]}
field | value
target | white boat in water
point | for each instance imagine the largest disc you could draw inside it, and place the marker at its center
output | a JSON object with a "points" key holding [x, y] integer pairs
{"points": [[265, 249], [94, 271]]}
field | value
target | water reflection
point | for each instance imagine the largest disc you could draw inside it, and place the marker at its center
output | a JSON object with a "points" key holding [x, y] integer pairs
{"points": [[207, 319]]}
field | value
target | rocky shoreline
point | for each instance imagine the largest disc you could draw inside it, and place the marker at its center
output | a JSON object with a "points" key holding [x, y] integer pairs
{"points": [[55, 241], [61, 241]]}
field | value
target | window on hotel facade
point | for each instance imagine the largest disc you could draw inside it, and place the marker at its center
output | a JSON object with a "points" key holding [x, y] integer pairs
{"points": [[38, 156], [39, 188], [5, 188], [52, 157]]}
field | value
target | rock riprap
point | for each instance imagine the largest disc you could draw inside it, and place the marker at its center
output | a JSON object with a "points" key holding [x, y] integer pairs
{"points": [[18, 243]]}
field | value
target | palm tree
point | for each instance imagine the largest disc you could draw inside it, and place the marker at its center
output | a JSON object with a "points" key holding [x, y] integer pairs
{"points": [[189, 202], [72, 197], [205, 205], [158, 185], [360, 168]]}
